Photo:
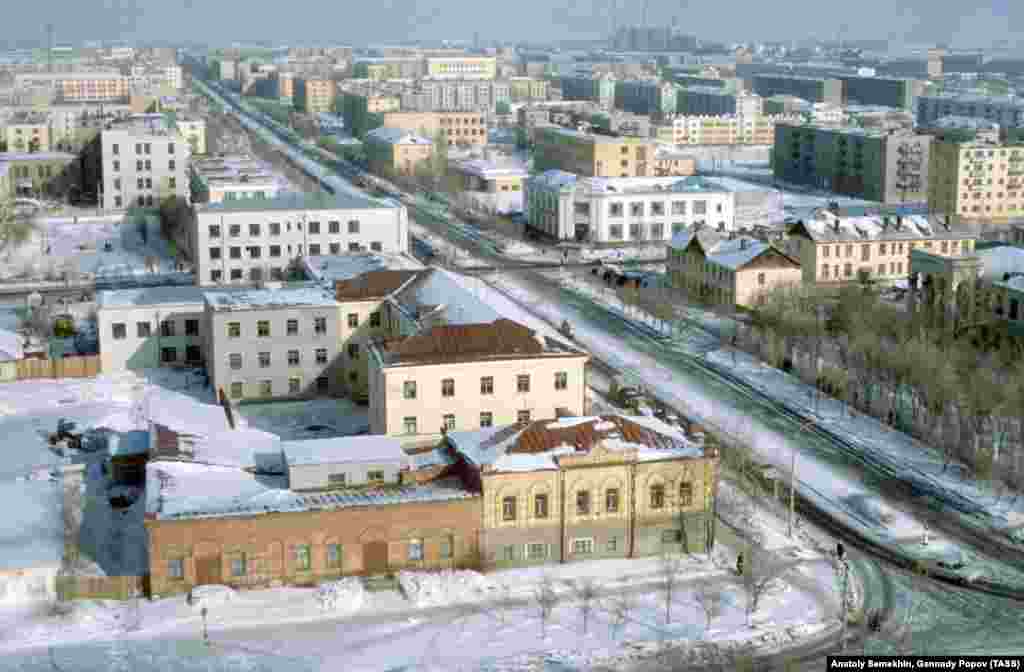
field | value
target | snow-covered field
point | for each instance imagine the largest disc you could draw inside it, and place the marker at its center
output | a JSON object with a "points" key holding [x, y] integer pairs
{"points": [[80, 248]]}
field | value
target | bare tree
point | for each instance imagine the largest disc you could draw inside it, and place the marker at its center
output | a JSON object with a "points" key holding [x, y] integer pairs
{"points": [[670, 569], [585, 592], [545, 598], [760, 572], [710, 600]]}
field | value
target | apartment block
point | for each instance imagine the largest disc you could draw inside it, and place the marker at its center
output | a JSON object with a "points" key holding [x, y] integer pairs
{"points": [[273, 342], [456, 127], [596, 89], [1005, 111], [734, 270], [148, 328], [654, 97], [887, 91], [816, 90], [313, 95], [394, 151], [594, 155], [976, 179], [244, 241], [563, 206], [28, 131], [884, 166], [137, 162], [461, 67], [835, 249], [524, 89], [724, 129], [703, 100]]}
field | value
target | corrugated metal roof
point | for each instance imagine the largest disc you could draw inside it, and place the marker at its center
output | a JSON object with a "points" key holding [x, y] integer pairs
{"points": [[372, 285], [467, 341]]}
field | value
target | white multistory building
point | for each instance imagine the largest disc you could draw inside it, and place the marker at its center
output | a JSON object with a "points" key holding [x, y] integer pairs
{"points": [[144, 160]]}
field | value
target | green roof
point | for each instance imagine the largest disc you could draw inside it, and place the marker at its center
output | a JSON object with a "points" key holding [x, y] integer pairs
{"points": [[301, 201]]}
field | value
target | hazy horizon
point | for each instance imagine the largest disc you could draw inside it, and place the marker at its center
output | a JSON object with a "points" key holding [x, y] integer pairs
{"points": [[397, 20]]}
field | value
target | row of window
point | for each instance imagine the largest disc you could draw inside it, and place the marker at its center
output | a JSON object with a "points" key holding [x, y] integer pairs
{"points": [[274, 228], [291, 327], [140, 148], [655, 231], [193, 354], [409, 387], [265, 388], [657, 209], [145, 329], [945, 246], [142, 165], [320, 357], [410, 423], [895, 268], [579, 546], [583, 501], [275, 251], [146, 183]]}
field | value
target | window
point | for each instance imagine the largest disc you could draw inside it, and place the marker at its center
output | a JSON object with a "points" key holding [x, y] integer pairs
{"points": [[671, 536], [264, 358], [117, 166], [149, 148], [275, 250], [314, 227], [168, 355], [522, 417], [583, 503], [170, 148], [234, 329], [142, 329], [612, 544], [294, 385], [334, 227], [172, 182], [322, 384], [175, 566], [700, 207], [582, 546], [540, 506], [235, 253], [117, 201], [254, 251], [238, 565], [138, 165], [353, 247], [376, 246], [292, 327], [334, 550], [615, 210], [115, 149], [235, 360], [321, 355], [561, 380], [409, 389], [636, 209], [236, 390], [254, 229], [266, 388], [448, 387], [149, 165], [486, 419], [302, 557], [508, 553], [375, 476], [760, 279], [449, 422], [657, 496], [611, 500], [523, 383], [536, 551], [410, 424], [353, 226], [353, 320], [335, 248], [140, 183], [314, 249], [275, 228], [216, 275], [293, 358], [487, 385], [235, 230], [320, 325], [167, 328], [192, 353], [353, 351], [375, 319], [191, 327], [508, 508]]}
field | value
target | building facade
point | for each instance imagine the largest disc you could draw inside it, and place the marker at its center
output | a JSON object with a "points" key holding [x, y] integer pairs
{"points": [[1007, 112], [815, 90], [725, 129], [246, 241], [496, 186], [148, 328], [461, 67], [467, 128], [704, 100], [888, 167], [28, 132], [594, 155], [313, 95], [41, 173], [890, 92], [393, 151], [654, 98], [596, 89], [976, 179]]}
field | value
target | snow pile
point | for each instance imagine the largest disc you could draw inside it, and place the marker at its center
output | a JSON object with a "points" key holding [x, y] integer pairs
{"points": [[346, 595], [429, 589], [211, 596]]}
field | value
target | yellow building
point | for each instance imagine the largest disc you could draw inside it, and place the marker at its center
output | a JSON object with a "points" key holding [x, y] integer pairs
{"points": [[28, 132], [976, 179], [528, 89], [575, 488], [727, 129], [468, 128], [462, 67], [593, 155], [193, 131], [312, 95], [393, 151], [737, 271], [836, 250]]}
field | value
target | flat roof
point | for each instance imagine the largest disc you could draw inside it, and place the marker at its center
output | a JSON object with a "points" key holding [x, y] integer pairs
{"points": [[149, 296], [37, 156], [299, 201], [328, 269], [343, 450], [245, 299]]}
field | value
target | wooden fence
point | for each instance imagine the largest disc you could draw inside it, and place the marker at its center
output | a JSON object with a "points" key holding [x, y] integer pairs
{"points": [[102, 587], [67, 367]]}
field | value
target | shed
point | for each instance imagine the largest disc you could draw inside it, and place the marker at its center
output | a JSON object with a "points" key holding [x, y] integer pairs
{"points": [[129, 452], [349, 461]]}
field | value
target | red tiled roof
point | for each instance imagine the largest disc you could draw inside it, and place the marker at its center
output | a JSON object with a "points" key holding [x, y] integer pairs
{"points": [[538, 437], [467, 341], [372, 285]]}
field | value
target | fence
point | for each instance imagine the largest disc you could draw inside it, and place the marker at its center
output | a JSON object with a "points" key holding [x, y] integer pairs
{"points": [[102, 587], [86, 366]]}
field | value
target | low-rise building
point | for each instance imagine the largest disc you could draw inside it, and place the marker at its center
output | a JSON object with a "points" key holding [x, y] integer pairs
{"points": [[648, 97], [251, 240], [394, 151], [835, 250], [593, 155], [28, 132], [585, 488], [461, 67], [322, 464], [495, 185], [458, 128], [41, 173], [230, 178], [148, 328], [735, 271], [625, 210]]}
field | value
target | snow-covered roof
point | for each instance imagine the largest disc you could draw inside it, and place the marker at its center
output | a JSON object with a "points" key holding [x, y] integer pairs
{"points": [[999, 260], [307, 295], [483, 446], [332, 268], [242, 448], [439, 456], [343, 200], [490, 169], [397, 136], [151, 296], [554, 179], [441, 288], [10, 345], [738, 252], [825, 226], [183, 414], [37, 156], [32, 537], [343, 450], [176, 490], [707, 238]]}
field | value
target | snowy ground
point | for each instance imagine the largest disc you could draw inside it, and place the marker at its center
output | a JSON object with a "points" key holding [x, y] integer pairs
{"points": [[81, 247], [308, 419]]}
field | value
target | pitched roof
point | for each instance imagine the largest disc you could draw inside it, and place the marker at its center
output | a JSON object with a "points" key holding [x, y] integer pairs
{"points": [[449, 343], [825, 226], [372, 285]]}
